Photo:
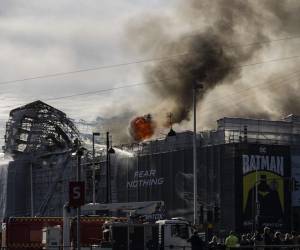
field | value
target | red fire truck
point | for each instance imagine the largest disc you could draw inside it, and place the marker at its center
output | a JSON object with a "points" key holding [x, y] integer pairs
{"points": [[34, 232], [27, 232]]}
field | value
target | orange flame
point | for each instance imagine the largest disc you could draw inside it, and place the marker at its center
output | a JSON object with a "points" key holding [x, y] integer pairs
{"points": [[142, 128]]}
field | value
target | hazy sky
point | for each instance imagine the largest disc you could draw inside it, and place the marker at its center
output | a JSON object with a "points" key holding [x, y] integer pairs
{"points": [[47, 37]]}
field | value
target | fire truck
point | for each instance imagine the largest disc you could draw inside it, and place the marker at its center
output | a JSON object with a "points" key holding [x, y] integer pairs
{"points": [[139, 230], [163, 234], [27, 232], [147, 229]]}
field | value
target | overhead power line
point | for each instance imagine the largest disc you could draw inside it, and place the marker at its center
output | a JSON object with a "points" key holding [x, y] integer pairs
{"points": [[276, 81], [99, 91], [151, 82], [146, 60], [234, 102], [102, 91]]}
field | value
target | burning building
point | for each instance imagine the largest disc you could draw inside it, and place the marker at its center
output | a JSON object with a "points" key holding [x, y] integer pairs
{"points": [[39, 140], [244, 162], [142, 128]]}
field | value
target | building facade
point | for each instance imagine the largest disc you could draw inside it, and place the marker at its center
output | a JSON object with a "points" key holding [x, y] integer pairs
{"points": [[246, 170]]}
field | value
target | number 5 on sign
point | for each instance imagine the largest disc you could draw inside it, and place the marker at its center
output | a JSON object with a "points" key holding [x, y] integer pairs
{"points": [[76, 194]]}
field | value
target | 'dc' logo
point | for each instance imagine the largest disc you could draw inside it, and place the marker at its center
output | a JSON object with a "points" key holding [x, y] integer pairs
{"points": [[262, 150]]}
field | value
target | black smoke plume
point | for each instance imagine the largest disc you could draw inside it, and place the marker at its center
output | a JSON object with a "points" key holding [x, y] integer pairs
{"points": [[222, 35], [206, 62]]}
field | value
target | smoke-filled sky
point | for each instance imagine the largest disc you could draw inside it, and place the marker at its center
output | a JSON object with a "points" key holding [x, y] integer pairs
{"points": [[243, 52]]}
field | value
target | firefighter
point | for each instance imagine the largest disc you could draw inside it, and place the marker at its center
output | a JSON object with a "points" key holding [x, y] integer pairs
{"points": [[231, 241], [196, 241], [106, 233]]}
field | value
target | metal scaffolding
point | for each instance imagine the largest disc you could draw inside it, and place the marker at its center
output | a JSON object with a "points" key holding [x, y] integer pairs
{"points": [[40, 140], [38, 128]]}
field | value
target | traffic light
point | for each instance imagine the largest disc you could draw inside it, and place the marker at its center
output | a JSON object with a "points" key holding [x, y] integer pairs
{"points": [[296, 184], [216, 214]]}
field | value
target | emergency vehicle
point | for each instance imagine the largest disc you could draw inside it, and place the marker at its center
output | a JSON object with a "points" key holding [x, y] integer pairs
{"points": [[97, 232]]}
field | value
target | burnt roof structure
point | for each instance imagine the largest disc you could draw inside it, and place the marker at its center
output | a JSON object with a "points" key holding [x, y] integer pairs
{"points": [[38, 128], [40, 140]]}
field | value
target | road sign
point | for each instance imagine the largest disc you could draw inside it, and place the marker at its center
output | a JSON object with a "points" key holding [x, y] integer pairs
{"points": [[76, 194]]}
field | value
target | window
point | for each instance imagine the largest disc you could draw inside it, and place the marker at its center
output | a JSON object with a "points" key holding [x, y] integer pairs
{"points": [[181, 231]]}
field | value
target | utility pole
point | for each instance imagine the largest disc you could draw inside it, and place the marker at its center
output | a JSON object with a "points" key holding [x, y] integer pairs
{"points": [[195, 87], [78, 179], [107, 168], [292, 189], [94, 170], [257, 205], [31, 191], [109, 150], [195, 159]]}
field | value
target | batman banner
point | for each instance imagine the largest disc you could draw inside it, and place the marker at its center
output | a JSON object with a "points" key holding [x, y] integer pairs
{"points": [[266, 179]]}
